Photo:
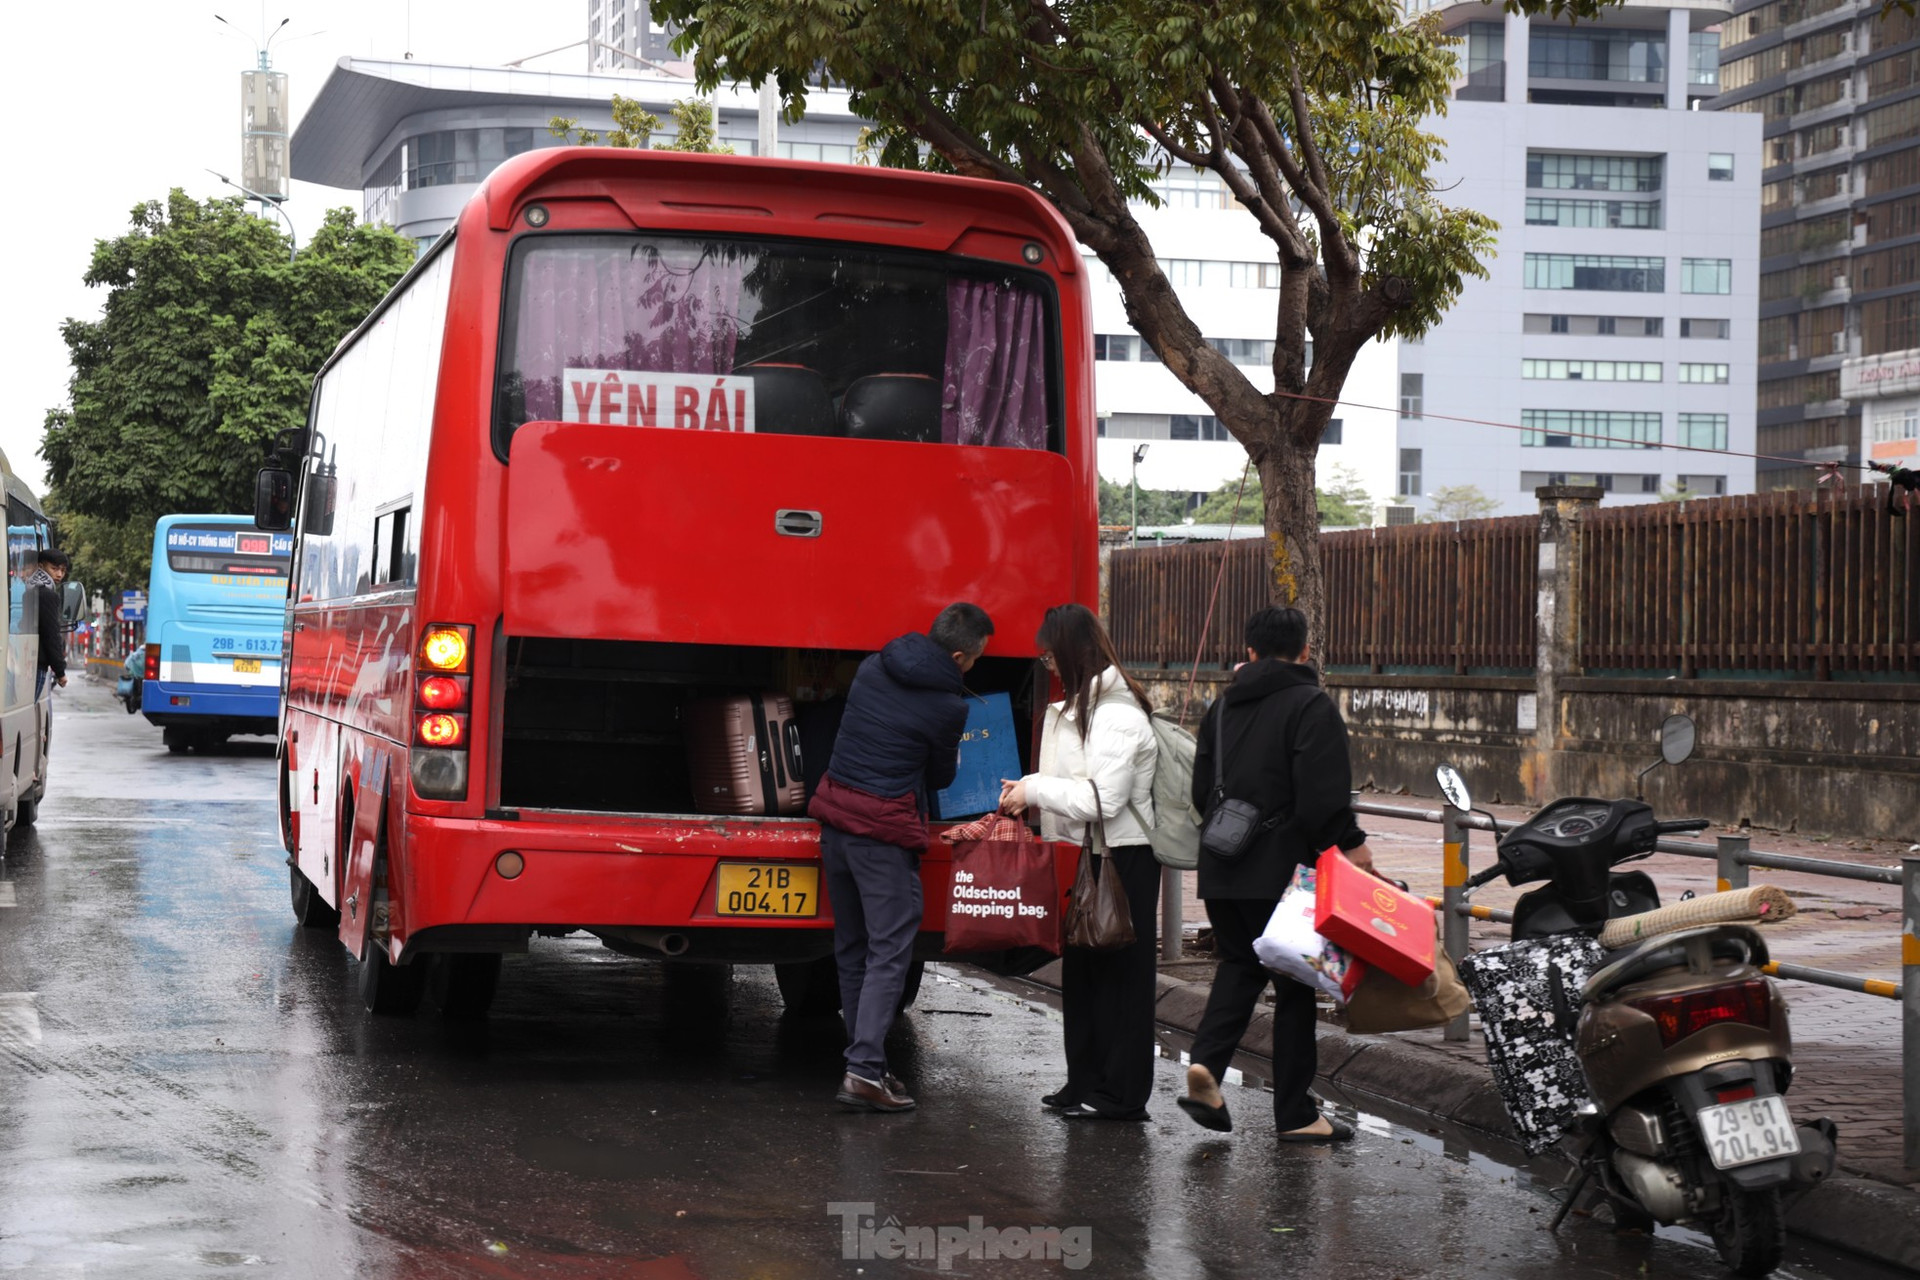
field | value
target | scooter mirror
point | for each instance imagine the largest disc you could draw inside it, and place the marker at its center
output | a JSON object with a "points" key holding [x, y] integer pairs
{"points": [[1453, 787], [1676, 739]]}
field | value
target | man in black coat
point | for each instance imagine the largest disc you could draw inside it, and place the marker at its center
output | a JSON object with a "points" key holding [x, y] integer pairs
{"points": [[46, 582], [899, 741], [1284, 751]]}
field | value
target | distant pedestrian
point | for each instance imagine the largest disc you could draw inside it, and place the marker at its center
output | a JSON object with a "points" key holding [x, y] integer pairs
{"points": [[1097, 747], [899, 741], [1285, 752], [46, 580]]}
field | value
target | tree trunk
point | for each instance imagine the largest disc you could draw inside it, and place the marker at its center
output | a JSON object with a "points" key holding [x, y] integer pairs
{"points": [[1293, 536]]}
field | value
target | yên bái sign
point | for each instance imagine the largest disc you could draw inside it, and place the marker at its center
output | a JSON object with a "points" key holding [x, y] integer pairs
{"points": [[639, 398]]}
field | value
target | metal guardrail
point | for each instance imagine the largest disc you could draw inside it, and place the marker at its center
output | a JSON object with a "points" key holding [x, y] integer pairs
{"points": [[1733, 857]]}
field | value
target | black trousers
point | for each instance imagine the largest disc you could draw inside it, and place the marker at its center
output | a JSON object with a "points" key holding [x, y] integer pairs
{"points": [[1238, 980], [1106, 997]]}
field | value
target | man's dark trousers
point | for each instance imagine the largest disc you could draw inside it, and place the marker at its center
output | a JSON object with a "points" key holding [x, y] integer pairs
{"points": [[1237, 983], [875, 891]]}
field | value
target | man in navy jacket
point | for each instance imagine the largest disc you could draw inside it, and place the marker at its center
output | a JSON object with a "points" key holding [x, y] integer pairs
{"points": [[899, 741]]}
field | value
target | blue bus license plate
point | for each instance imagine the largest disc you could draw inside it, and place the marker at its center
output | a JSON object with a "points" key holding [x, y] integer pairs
{"points": [[247, 666]]}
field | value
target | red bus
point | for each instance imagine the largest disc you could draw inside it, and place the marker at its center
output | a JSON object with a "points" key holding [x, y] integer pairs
{"points": [[641, 428]]}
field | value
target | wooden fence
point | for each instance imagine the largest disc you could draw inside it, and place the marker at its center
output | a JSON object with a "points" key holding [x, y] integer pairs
{"points": [[1809, 585], [1453, 596]]}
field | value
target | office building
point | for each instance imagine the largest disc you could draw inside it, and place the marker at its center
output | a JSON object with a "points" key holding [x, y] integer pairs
{"points": [[1621, 309], [1837, 88], [622, 36]]}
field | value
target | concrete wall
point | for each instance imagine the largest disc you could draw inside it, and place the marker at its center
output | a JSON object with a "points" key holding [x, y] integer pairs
{"points": [[1842, 759]]}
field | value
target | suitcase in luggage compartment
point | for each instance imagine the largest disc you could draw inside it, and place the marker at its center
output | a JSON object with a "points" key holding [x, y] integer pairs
{"points": [[1528, 997], [743, 755]]}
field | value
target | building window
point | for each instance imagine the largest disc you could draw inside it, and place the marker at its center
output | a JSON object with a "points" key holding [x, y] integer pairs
{"points": [[1249, 351], [1548, 170], [1138, 426], [1703, 58], [1123, 347], [1545, 211], [1412, 394], [1900, 423], [1715, 373], [1593, 370], [1332, 434], [1720, 166], [1703, 430], [1621, 326], [1608, 274], [1589, 429], [1196, 426], [1696, 328], [1558, 325], [1702, 486], [1706, 275], [1555, 53], [1409, 473]]}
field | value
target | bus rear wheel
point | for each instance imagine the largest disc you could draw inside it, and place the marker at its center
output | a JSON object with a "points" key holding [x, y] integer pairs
{"points": [[389, 988], [461, 985], [309, 908]]}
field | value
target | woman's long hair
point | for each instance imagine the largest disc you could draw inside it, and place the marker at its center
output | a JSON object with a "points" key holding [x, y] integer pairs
{"points": [[1081, 650]]}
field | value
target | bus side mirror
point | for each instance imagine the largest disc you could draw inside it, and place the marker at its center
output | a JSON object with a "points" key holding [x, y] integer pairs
{"points": [[273, 499], [73, 604], [321, 488]]}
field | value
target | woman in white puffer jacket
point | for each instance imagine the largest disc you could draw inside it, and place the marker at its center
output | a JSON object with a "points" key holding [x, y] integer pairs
{"points": [[1098, 740]]}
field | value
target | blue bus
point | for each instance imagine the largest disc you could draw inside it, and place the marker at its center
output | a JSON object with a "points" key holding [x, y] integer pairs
{"points": [[216, 603]]}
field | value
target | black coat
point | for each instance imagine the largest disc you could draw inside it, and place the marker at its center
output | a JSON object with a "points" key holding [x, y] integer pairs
{"points": [[1286, 753], [53, 634], [905, 714]]}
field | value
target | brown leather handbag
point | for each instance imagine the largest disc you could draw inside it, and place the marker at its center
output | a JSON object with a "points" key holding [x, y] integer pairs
{"points": [[1099, 917]]}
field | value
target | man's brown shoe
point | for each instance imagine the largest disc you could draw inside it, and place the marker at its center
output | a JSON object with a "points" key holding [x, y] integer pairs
{"points": [[865, 1095]]}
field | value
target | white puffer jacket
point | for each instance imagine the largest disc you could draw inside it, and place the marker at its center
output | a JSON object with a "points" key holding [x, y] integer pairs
{"points": [[1118, 757]]}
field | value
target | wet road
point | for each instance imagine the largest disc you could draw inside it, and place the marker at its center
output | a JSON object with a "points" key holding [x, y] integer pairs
{"points": [[188, 1086]]}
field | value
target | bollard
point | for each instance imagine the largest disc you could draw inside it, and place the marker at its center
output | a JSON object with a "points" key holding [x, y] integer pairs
{"points": [[1172, 920], [1454, 835], [1910, 1008], [1731, 854]]}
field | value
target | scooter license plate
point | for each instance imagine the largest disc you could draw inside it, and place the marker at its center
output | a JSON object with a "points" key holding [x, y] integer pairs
{"points": [[1746, 1132]]}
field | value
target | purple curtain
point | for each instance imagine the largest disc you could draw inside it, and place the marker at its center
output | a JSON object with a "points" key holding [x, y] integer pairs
{"points": [[996, 366], [602, 307]]}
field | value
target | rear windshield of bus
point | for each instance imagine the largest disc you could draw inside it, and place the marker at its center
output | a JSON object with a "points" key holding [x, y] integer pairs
{"points": [[228, 549], [776, 337]]}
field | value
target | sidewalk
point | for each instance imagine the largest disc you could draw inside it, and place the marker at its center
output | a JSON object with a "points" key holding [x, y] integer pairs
{"points": [[1847, 1047]]}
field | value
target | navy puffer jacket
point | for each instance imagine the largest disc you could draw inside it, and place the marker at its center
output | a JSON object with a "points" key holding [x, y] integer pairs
{"points": [[905, 714]]}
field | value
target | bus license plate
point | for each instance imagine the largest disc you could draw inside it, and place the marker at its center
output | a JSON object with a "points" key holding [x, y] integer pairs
{"points": [[247, 666], [1744, 1132], [768, 889]]}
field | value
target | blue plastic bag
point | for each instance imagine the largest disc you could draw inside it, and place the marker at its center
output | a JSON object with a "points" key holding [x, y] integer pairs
{"points": [[988, 753]]}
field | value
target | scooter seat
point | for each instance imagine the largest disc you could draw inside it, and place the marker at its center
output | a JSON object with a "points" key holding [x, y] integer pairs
{"points": [[1735, 942]]}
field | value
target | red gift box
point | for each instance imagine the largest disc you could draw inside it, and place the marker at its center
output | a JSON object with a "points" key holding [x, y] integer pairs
{"points": [[1377, 922]]}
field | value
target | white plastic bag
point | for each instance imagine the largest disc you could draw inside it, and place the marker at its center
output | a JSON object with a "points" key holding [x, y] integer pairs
{"points": [[1291, 947]]}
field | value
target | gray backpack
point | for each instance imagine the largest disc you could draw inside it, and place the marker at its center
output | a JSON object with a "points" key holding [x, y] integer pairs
{"points": [[1175, 829]]}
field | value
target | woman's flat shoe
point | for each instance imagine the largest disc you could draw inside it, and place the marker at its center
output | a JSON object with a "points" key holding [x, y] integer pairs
{"points": [[1340, 1133], [1214, 1118]]}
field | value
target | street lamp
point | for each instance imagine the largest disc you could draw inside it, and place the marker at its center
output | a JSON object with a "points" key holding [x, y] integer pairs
{"points": [[271, 203], [1133, 531], [262, 48]]}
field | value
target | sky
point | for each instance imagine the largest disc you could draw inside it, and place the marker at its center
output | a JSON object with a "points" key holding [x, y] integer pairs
{"points": [[115, 102]]}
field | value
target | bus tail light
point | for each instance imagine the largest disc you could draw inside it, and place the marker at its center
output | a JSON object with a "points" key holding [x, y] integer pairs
{"points": [[439, 729], [444, 693], [446, 648], [443, 702], [152, 668]]}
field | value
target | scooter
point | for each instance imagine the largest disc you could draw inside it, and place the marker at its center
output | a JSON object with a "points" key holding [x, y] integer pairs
{"points": [[1683, 1040]]}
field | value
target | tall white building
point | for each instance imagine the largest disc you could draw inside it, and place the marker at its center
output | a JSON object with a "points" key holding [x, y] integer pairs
{"points": [[1622, 308], [622, 35], [416, 140]]}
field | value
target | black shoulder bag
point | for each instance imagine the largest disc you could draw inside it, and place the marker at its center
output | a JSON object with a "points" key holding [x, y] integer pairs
{"points": [[1232, 826]]}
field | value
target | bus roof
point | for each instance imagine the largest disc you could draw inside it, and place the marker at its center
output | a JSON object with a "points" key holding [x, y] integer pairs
{"points": [[732, 195]]}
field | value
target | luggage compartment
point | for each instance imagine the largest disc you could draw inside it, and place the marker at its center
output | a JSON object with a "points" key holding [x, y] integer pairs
{"points": [[600, 725]]}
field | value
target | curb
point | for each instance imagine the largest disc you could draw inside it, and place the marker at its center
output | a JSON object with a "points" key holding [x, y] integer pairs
{"points": [[1875, 1219]]}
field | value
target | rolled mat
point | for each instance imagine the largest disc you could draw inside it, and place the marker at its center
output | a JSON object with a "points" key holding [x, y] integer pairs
{"points": [[1762, 904]]}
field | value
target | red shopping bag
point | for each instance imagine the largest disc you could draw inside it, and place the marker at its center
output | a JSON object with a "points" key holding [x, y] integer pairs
{"points": [[1378, 922], [1004, 893]]}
